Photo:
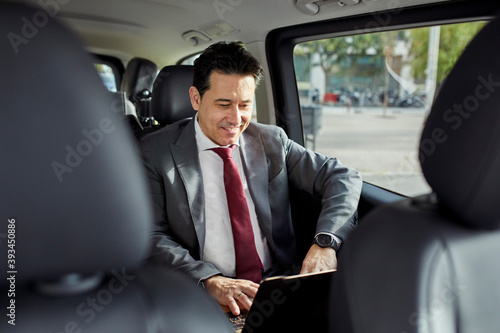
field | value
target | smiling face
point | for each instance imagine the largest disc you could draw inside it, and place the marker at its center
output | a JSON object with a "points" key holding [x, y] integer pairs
{"points": [[226, 108]]}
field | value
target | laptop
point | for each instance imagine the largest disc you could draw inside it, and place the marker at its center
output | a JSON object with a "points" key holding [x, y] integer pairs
{"points": [[283, 303]]}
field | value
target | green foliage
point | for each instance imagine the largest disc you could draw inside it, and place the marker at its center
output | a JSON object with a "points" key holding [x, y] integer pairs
{"points": [[453, 39], [364, 55], [336, 51]]}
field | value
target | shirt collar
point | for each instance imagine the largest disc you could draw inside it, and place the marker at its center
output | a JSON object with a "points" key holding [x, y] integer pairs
{"points": [[203, 141]]}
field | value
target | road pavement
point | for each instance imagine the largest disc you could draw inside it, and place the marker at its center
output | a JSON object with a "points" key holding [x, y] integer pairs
{"points": [[383, 146]]}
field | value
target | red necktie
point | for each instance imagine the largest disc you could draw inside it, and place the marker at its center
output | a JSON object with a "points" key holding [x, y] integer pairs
{"points": [[248, 264]]}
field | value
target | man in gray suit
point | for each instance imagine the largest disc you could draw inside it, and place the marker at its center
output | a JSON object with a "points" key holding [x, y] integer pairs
{"points": [[193, 222]]}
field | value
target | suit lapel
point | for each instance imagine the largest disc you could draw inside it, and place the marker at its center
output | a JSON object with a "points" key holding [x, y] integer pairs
{"points": [[185, 155], [254, 161]]}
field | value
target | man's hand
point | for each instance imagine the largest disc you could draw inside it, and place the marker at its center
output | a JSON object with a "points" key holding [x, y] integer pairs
{"points": [[319, 259], [232, 293]]}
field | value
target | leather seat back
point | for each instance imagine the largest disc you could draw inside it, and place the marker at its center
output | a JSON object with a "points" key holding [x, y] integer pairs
{"points": [[430, 264], [171, 100], [137, 83], [74, 195]]}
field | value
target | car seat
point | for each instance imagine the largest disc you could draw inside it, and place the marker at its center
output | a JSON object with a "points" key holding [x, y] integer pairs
{"points": [[137, 83], [76, 217], [170, 99], [430, 264]]}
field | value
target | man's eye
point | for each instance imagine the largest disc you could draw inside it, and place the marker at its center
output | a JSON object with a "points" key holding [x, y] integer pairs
{"points": [[225, 105]]}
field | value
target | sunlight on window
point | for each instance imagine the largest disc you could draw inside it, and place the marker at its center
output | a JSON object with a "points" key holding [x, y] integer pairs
{"points": [[365, 98], [107, 76]]}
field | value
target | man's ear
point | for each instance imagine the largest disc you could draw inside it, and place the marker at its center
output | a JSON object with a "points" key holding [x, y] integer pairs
{"points": [[195, 97]]}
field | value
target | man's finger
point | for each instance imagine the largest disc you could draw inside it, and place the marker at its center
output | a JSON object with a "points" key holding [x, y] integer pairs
{"points": [[233, 306], [250, 290], [305, 269], [244, 301]]}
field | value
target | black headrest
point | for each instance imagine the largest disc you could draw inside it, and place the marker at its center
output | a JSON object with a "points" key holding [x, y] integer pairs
{"points": [[170, 101], [460, 144], [139, 75], [72, 184]]}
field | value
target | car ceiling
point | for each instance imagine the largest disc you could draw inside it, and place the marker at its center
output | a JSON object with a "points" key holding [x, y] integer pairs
{"points": [[154, 29]]}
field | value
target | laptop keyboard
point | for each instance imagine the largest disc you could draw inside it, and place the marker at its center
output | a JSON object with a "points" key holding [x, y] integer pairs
{"points": [[237, 322]]}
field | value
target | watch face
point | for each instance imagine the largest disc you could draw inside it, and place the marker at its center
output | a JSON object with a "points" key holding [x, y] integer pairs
{"points": [[324, 240]]}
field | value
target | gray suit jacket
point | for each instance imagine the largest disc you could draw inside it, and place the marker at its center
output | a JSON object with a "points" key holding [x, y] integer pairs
{"points": [[271, 162]]}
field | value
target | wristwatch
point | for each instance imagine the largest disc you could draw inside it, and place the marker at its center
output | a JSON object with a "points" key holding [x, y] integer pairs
{"points": [[326, 240]]}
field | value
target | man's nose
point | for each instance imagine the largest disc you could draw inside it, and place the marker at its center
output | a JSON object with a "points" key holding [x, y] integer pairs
{"points": [[235, 115]]}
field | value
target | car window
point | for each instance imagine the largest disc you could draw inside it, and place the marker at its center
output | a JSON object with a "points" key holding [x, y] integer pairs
{"points": [[107, 76], [365, 98]]}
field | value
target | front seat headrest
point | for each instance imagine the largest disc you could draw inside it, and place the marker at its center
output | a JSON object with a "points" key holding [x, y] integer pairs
{"points": [[460, 143], [71, 178], [139, 75], [170, 100]]}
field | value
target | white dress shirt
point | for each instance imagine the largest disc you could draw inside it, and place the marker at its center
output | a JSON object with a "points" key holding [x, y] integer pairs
{"points": [[219, 245]]}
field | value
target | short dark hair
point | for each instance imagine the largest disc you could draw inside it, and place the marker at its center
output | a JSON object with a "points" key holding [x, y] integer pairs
{"points": [[224, 58]]}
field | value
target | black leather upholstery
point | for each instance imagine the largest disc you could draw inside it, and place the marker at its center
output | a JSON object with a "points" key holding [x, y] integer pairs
{"points": [[460, 144], [171, 94], [430, 264], [140, 74], [137, 84], [73, 188], [63, 173]]}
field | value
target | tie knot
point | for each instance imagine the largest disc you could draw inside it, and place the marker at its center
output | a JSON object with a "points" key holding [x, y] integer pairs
{"points": [[224, 153]]}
